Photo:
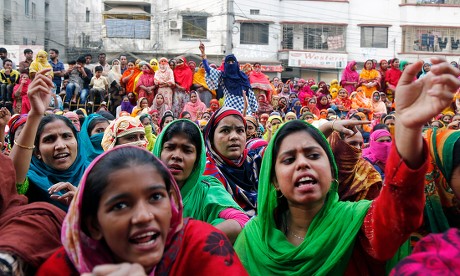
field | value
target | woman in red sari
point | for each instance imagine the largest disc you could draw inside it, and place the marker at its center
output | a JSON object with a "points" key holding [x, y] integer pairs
{"points": [[392, 77], [183, 76], [146, 85]]}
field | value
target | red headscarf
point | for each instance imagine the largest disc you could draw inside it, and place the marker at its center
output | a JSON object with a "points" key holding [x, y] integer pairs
{"points": [[183, 75]]}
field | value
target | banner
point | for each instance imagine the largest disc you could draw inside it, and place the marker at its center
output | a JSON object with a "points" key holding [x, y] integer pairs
{"points": [[317, 60]]}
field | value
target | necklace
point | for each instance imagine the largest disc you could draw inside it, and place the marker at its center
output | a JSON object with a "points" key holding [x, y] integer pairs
{"points": [[297, 237]]}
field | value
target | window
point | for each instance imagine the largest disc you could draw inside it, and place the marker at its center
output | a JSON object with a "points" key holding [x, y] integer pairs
{"points": [[324, 37], [127, 28], [254, 33], [26, 7], [194, 27], [288, 37], [374, 37], [431, 39], [34, 11], [254, 12], [87, 15], [24, 41]]}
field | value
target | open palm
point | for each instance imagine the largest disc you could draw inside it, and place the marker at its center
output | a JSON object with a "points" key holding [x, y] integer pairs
{"points": [[39, 93], [419, 101]]}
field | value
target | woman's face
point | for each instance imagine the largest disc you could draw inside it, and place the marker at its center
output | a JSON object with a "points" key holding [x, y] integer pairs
{"points": [[131, 96], [230, 137], [396, 63], [131, 138], [58, 146], [144, 103], [323, 100], [285, 89], [389, 122], [446, 119], [251, 129], [99, 128], [426, 67], [160, 99], [206, 116], [384, 139], [275, 122], [214, 106], [134, 216], [172, 64], [456, 118], [130, 65], [146, 121], [145, 68], [384, 65], [436, 124], [261, 99], [290, 118], [302, 171], [115, 62], [355, 141], [263, 119], [343, 93], [282, 101], [376, 97], [368, 65], [193, 97], [329, 98], [179, 155], [168, 120], [312, 103]]}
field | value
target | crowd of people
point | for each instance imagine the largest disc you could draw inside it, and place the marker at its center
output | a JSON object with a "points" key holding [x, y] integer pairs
{"points": [[186, 169]]}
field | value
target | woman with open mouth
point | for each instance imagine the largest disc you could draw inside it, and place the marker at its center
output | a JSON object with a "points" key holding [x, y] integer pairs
{"points": [[120, 222], [302, 228], [46, 153], [181, 147]]}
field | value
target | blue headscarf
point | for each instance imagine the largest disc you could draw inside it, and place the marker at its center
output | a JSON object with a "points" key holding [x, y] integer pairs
{"points": [[90, 145], [42, 177], [234, 79]]}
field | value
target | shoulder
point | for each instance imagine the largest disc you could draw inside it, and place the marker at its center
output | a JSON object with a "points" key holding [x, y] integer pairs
{"points": [[57, 264], [207, 250]]}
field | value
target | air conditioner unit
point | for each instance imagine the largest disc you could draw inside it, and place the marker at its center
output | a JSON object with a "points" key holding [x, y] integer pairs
{"points": [[173, 25]]}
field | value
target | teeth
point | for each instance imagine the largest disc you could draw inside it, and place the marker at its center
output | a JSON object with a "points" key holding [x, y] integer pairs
{"points": [[144, 235], [306, 178], [61, 155]]}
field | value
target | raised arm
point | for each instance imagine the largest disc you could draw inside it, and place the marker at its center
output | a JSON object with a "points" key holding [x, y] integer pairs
{"points": [[419, 101], [39, 96], [398, 210]]}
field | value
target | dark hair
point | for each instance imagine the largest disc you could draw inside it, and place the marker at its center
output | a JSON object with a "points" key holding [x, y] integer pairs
{"points": [[94, 122], [102, 54], [98, 178], [356, 116], [98, 69], [88, 55], [3, 50], [380, 126], [26, 51], [184, 113], [49, 119], [109, 116], [55, 50], [162, 122], [297, 126], [81, 60], [7, 60], [189, 130]]}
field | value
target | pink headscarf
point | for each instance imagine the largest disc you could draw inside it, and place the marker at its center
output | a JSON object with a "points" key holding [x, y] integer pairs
{"points": [[86, 252], [194, 108], [378, 151], [73, 116]]}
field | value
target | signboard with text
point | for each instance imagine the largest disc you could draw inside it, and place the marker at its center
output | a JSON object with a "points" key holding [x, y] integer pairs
{"points": [[317, 60]]}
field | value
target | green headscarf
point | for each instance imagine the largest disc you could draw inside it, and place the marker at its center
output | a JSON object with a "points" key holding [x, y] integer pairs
{"points": [[203, 196], [264, 250]]}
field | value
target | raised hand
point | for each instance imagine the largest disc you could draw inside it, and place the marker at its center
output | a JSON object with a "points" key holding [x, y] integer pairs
{"points": [[418, 101], [39, 93], [5, 116]]}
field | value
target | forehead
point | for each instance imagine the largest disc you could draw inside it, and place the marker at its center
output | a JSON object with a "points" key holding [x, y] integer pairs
{"points": [[298, 140], [231, 120], [57, 126]]}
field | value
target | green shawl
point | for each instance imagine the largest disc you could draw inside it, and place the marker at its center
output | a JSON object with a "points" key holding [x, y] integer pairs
{"points": [[204, 197], [264, 250]]}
